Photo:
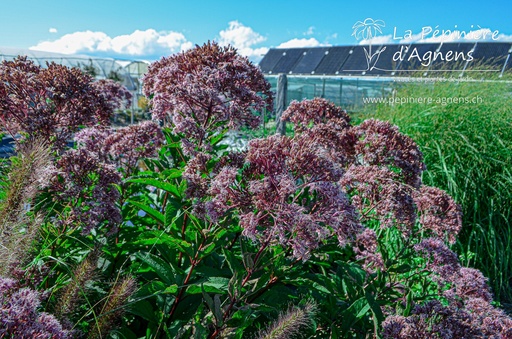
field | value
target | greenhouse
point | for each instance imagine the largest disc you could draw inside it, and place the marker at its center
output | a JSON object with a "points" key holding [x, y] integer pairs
{"points": [[346, 74]]}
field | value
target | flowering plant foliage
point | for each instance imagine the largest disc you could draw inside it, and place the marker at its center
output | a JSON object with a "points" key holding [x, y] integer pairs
{"points": [[162, 232]]}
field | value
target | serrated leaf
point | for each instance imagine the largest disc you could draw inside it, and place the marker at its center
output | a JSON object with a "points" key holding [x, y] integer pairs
{"points": [[166, 186], [171, 289], [233, 263], [172, 173], [361, 306], [375, 307], [208, 249], [217, 138], [150, 211], [160, 267], [217, 312], [172, 211], [217, 285], [207, 298]]}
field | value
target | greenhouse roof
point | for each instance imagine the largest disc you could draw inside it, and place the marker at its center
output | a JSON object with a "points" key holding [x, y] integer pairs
{"points": [[389, 60]]}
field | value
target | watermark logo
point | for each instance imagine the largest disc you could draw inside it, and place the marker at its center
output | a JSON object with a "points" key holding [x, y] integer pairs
{"points": [[366, 30]]}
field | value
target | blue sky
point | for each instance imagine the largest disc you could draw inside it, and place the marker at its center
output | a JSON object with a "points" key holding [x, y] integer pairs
{"points": [[150, 29]]}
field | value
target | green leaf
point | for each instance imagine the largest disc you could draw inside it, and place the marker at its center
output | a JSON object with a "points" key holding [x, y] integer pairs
{"points": [[362, 305], [404, 268], [172, 211], [151, 211], [355, 312], [144, 310], [208, 249], [172, 173], [160, 267], [217, 311], [217, 138], [171, 289], [232, 261], [207, 298], [217, 285], [166, 186], [375, 307]]}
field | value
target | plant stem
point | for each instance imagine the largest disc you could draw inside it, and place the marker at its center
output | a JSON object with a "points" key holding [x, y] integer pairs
{"points": [[183, 230], [193, 264]]}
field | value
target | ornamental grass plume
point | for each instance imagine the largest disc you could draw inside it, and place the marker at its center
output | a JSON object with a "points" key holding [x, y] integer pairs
{"points": [[205, 90], [291, 323], [30, 171], [113, 307], [74, 292]]}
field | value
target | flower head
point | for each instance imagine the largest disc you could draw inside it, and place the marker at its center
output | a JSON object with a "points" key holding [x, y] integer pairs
{"points": [[380, 143], [206, 89]]}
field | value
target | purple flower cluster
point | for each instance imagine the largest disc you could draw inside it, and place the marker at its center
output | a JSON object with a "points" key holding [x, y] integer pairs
{"points": [[308, 113], [467, 313], [20, 317], [288, 193], [438, 213], [440, 259], [478, 319], [52, 103], [325, 180], [83, 179], [111, 96], [366, 249], [206, 89], [123, 146], [327, 125], [88, 175], [380, 143], [378, 194]]}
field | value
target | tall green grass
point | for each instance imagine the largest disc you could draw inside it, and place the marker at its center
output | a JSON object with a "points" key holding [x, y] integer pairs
{"points": [[468, 152]]}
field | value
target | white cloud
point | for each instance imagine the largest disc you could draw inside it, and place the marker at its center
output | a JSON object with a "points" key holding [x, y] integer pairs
{"points": [[144, 44], [303, 42], [504, 37], [310, 30], [52, 30], [243, 38], [377, 40]]}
